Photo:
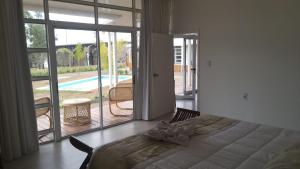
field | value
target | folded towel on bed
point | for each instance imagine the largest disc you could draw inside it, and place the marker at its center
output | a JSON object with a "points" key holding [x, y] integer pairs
{"points": [[178, 133]]}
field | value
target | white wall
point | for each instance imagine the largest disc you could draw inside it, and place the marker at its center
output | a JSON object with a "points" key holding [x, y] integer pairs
{"points": [[254, 48]]}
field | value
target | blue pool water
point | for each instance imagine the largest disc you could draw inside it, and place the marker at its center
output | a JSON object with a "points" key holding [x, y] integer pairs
{"points": [[86, 84]]}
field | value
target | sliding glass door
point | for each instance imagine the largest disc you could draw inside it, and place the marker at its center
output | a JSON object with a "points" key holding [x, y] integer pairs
{"points": [[116, 76], [38, 59], [78, 80], [82, 56]]}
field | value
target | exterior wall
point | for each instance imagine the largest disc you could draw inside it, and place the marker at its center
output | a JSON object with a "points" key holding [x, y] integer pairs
{"points": [[249, 57], [177, 68]]}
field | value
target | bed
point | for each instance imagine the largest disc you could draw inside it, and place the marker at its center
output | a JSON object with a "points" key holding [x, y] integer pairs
{"points": [[217, 143]]}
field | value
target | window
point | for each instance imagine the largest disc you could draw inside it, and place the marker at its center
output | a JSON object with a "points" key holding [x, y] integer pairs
{"points": [[124, 3], [33, 9], [177, 54], [107, 16], [60, 11]]}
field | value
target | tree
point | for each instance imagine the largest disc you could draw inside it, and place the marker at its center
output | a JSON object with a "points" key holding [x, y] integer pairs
{"points": [[64, 57], [79, 53], [121, 52], [121, 44], [36, 38], [36, 60], [104, 56], [35, 33], [33, 15]]}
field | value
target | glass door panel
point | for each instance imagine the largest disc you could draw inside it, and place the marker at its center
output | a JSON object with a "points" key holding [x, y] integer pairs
{"points": [[189, 65], [116, 77], [39, 68], [179, 65], [43, 110], [78, 83]]}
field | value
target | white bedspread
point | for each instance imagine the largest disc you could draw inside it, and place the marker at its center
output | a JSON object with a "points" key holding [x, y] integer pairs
{"points": [[242, 146]]}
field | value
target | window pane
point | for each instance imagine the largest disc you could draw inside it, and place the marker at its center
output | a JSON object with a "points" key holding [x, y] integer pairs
{"points": [[33, 9], [35, 35], [38, 63], [60, 11], [43, 113], [125, 3], [114, 17], [116, 69], [41, 89], [138, 4], [77, 72], [138, 39], [138, 20]]}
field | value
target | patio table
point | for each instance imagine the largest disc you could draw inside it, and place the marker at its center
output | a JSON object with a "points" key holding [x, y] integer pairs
{"points": [[77, 111]]}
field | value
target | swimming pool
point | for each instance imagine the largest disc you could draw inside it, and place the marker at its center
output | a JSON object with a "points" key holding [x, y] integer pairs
{"points": [[86, 84]]}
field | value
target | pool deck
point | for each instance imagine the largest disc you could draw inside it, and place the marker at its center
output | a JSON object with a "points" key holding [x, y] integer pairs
{"points": [[108, 120]]}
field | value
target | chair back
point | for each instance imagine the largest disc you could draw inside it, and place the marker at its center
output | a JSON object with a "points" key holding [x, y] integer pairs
{"points": [[122, 92], [184, 114], [43, 110]]}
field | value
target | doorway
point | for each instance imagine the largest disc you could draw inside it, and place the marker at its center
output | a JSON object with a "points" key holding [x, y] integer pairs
{"points": [[185, 63]]}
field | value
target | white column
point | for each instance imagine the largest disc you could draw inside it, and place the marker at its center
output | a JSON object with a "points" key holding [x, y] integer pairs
{"points": [[115, 58], [110, 61], [184, 65], [188, 58]]}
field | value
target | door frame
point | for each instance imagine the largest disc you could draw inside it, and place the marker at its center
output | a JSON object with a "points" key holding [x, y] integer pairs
{"points": [[194, 38]]}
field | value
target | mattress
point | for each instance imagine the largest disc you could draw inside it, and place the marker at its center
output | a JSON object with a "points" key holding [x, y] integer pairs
{"points": [[239, 145]]}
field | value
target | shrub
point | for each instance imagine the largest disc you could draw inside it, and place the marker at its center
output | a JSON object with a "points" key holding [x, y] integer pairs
{"points": [[62, 70]]}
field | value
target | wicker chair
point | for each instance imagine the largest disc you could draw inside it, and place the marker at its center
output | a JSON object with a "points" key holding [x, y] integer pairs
{"points": [[44, 111], [184, 114], [121, 93]]}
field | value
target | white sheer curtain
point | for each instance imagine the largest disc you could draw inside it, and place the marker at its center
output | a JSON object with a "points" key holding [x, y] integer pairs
{"points": [[156, 19], [18, 128]]}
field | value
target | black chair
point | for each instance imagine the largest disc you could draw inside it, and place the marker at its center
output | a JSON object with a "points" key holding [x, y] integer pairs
{"points": [[82, 147], [184, 114]]}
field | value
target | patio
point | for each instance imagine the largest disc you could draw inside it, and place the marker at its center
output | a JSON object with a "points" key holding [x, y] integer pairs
{"points": [[108, 120]]}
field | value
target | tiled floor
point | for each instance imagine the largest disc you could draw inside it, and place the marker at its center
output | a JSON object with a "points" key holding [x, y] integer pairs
{"points": [[61, 155]]}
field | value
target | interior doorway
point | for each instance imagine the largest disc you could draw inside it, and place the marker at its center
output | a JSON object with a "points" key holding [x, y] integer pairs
{"points": [[185, 63]]}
